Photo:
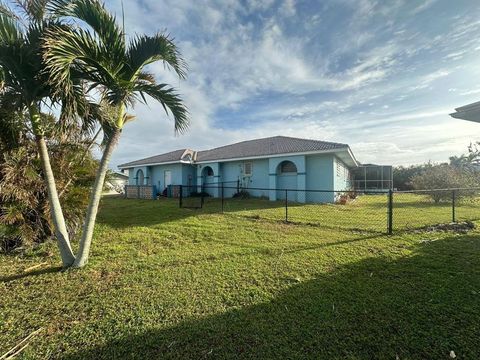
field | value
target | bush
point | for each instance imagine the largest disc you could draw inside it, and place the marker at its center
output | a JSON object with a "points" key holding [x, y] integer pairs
{"points": [[242, 194], [444, 177], [199, 194], [24, 209], [402, 175]]}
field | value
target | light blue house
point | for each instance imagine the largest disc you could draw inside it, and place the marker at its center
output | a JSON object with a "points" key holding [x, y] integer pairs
{"points": [[264, 167]]}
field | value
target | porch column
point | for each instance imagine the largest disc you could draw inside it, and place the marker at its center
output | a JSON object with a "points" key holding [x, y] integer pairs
{"points": [[216, 189], [301, 185], [199, 183], [272, 182]]}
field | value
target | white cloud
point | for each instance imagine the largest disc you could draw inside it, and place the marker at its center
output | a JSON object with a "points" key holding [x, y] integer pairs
{"points": [[423, 6]]}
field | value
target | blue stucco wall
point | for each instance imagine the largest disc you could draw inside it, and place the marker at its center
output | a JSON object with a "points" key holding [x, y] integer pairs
{"points": [[320, 176], [132, 176], [233, 171], [342, 176]]}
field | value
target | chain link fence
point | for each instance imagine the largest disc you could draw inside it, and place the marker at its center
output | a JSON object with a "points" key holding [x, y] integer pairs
{"points": [[350, 210]]}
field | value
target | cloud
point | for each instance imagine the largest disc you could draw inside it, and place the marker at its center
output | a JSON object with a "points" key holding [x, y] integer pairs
{"points": [[423, 6], [361, 72]]}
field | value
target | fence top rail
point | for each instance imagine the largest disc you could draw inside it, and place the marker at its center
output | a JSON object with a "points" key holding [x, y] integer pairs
{"points": [[376, 191], [283, 189]]}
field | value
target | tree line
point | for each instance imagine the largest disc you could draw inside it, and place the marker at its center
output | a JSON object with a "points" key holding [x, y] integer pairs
{"points": [[460, 172]]}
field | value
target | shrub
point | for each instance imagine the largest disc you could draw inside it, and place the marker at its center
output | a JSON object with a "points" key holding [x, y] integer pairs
{"points": [[24, 209], [444, 177], [242, 194], [199, 194]]}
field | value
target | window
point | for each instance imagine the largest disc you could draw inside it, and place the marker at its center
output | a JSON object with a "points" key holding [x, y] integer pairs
{"points": [[288, 167], [247, 169], [209, 171]]}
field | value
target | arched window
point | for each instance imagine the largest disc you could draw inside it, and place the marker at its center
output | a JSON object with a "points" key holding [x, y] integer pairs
{"points": [[208, 171], [140, 177], [287, 167]]}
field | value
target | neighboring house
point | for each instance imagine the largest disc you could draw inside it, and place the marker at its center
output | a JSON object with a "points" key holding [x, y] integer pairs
{"points": [[262, 166], [115, 183]]}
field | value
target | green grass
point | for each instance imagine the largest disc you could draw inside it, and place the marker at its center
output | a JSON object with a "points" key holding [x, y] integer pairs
{"points": [[165, 282], [367, 212]]}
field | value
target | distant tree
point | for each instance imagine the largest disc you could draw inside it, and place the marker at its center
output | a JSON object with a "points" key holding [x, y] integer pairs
{"points": [[443, 176], [469, 161], [402, 175]]}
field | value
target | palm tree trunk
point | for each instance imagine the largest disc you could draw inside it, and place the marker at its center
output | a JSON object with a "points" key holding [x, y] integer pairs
{"points": [[55, 207], [95, 196]]}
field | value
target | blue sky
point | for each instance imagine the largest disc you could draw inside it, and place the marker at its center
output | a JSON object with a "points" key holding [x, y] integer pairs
{"points": [[381, 76]]}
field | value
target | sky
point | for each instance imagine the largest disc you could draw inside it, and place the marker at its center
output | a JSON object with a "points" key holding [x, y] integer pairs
{"points": [[381, 76]]}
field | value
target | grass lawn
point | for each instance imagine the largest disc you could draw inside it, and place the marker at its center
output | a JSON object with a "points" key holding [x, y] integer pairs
{"points": [[165, 282], [366, 212]]}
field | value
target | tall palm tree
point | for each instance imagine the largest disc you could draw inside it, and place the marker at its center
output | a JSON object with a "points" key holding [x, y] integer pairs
{"points": [[24, 84], [115, 71]]}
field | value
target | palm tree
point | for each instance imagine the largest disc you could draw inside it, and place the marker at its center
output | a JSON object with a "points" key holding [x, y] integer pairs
{"points": [[115, 71], [24, 84]]}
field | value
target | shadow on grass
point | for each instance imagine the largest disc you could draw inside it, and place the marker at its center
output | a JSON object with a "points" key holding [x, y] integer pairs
{"points": [[23, 275], [418, 307]]}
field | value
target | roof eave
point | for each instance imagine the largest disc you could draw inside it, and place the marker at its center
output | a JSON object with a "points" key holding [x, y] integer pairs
{"points": [[470, 112], [131, 166]]}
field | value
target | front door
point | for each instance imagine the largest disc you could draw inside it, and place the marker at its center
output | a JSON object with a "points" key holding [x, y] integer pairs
{"points": [[167, 178]]}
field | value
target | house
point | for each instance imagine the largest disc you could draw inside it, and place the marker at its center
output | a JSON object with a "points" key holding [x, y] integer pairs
{"points": [[264, 167], [115, 183]]}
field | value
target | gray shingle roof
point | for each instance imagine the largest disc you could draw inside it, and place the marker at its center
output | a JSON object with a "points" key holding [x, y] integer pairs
{"points": [[267, 146], [162, 158], [252, 148]]}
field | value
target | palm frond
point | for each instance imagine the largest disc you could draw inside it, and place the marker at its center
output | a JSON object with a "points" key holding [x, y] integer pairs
{"points": [[144, 50], [170, 101], [33, 10], [10, 31], [67, 51], [95, 15]]}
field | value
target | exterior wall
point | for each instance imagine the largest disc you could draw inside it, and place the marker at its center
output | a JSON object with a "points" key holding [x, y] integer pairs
{"points": [[314, 172], [158, 175], [155, 175], [132, 176], [275, 179], [342, 178], [233, 171], [320, 176], [204, 180]]}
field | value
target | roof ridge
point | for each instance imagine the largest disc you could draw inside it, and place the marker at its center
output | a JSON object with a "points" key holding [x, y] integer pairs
{"points": [[273, 137]]}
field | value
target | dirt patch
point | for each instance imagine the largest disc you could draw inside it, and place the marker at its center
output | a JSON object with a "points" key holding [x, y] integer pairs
{"points": [[456, 227]]}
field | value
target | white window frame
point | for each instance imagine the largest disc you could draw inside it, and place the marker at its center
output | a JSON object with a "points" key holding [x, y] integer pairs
{"points": [[245, 165]]}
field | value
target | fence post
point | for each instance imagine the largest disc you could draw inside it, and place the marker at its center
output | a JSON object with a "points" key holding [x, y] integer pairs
{"points": [[180, 195], [453, 205], [138, 191], [238, 185], [286, 205], [222, 198], [390, 212]]}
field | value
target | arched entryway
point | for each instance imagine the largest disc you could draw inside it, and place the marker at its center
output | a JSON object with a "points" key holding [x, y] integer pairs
{"points": [[140, 177], [208, 179], [287, 179]]}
